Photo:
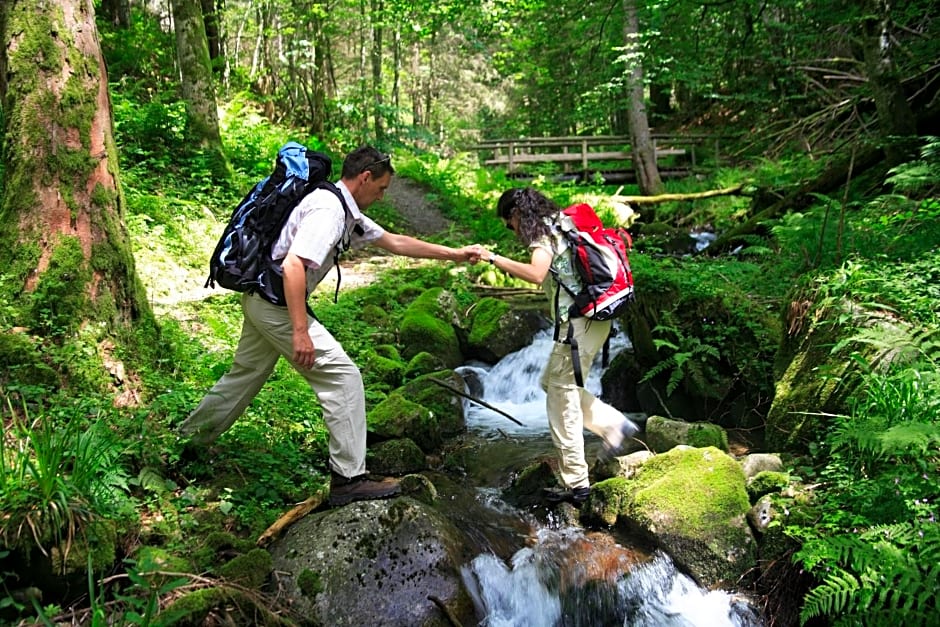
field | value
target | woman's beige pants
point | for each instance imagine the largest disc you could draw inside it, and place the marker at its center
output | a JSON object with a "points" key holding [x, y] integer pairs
{"points": [[572, 409]]}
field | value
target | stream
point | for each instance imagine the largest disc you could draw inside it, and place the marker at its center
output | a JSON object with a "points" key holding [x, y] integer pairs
{"points": [[559, 574]]}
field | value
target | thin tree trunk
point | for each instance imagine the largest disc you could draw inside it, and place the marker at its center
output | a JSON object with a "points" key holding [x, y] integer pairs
{"points": [[198, 89], [376, 58], [896, 119], [644, 151]]}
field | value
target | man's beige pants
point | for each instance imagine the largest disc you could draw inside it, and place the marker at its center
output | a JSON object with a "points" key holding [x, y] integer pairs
{"points": [[572, 409], [334, 378]]}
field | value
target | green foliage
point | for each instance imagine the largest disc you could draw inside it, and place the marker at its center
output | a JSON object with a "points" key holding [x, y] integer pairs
{"points": [[57, 475], [875, 548], [687, 359]]}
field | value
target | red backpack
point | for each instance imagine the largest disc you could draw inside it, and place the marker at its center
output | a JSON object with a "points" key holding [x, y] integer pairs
{"points": [[599, 256]]}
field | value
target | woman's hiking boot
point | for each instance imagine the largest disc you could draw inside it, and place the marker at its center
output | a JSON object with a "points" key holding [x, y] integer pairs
{"points": [[360, 488]]}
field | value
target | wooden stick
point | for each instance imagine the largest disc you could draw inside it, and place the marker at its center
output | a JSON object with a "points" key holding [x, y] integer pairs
{"points": [[651, 200], [296, 513], [475, 400]]}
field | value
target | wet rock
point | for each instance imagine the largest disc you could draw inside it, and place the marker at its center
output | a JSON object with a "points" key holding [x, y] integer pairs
{"points": [[374, 563], [498, 329], [693, 500], [759, 462], [663, 434]]}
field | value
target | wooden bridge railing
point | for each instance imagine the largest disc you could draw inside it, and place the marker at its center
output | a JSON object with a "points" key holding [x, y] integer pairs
{"points": [[568, 151]]}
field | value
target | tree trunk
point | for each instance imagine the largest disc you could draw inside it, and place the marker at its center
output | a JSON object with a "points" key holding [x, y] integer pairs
{"points": [[118, 12], [644, 151], [66, 252], [210, 17], [198, 90], [376, 58], [896, 121]]}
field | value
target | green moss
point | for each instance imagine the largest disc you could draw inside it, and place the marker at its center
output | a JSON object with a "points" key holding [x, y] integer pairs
{"points": [[674, 486], [310, 582], [250, 570], [766, 482], [60, 300], [422, 364], [397, 417], [486, 317], [21, 360]]}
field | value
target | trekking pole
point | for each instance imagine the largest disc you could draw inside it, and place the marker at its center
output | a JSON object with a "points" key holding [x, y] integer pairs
{"points": [[475, 400]]}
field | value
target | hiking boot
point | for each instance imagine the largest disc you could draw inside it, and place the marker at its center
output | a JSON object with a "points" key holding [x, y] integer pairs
{"points": [[360, 488], [575, 496], [617, 445]]}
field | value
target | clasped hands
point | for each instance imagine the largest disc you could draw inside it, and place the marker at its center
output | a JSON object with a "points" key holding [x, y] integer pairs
{"points": [[473, 253]]}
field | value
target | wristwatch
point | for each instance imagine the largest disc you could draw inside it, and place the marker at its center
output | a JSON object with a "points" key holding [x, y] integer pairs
{"points": [[492, 258]]}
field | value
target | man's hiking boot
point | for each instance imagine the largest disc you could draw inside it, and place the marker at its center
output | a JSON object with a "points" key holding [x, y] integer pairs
{"points": [[575, 496], [616, 445], [360, 488]]}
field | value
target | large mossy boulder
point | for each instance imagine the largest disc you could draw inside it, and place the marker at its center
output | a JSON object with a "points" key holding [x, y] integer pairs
{"points": [[818, 372], [428, 325], [374, 563], [498, 328], [694, 502]]}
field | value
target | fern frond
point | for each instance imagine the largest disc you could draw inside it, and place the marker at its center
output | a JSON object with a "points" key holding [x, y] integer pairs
{"points": [[831, 597]]}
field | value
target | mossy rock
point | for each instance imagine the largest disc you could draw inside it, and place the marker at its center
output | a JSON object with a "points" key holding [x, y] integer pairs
{"points": [[497, 329], [813, 381], [250, 570], [396, 457], [766, 482], [421, 364], [397, 417], [663, 434], [445, 405], [383, 371], [428, 326]]}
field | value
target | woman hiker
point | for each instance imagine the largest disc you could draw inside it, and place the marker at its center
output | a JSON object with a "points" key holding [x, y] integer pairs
{"points": [[570, 408]]}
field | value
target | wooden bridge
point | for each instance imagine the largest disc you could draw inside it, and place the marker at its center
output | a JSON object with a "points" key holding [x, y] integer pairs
{"points": [[609, 155]]}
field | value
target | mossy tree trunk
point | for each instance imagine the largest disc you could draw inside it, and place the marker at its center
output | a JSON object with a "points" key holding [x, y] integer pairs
{"points": [[198, 88], [65, 255]]}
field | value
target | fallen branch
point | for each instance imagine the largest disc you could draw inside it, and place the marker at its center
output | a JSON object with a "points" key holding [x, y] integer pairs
{"points": [[295, 514], [652, 200]]}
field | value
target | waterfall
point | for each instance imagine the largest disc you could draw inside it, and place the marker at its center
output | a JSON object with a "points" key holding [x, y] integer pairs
{"points": [[512, 385]]}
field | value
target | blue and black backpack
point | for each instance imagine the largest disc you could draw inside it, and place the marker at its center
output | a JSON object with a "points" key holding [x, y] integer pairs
{"points": [[242, 260]]}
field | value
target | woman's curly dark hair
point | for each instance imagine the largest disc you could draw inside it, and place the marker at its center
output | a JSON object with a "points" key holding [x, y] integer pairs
{"points": [[532, 207]]}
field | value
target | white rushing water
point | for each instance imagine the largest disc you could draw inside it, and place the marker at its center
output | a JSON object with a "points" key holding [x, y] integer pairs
{"points": [[512, 385]]}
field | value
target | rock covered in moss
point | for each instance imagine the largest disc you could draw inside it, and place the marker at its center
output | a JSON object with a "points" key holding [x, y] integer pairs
{"points": [[663, 434], [766, 482], [396, 457], [377, 563], [445, 405], [250, 569], [694, 502], [398, 417], [498, 329], [428, 326]]}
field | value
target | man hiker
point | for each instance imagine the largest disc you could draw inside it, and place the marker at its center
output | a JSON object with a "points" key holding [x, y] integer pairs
{"points": [[305, 249]]}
